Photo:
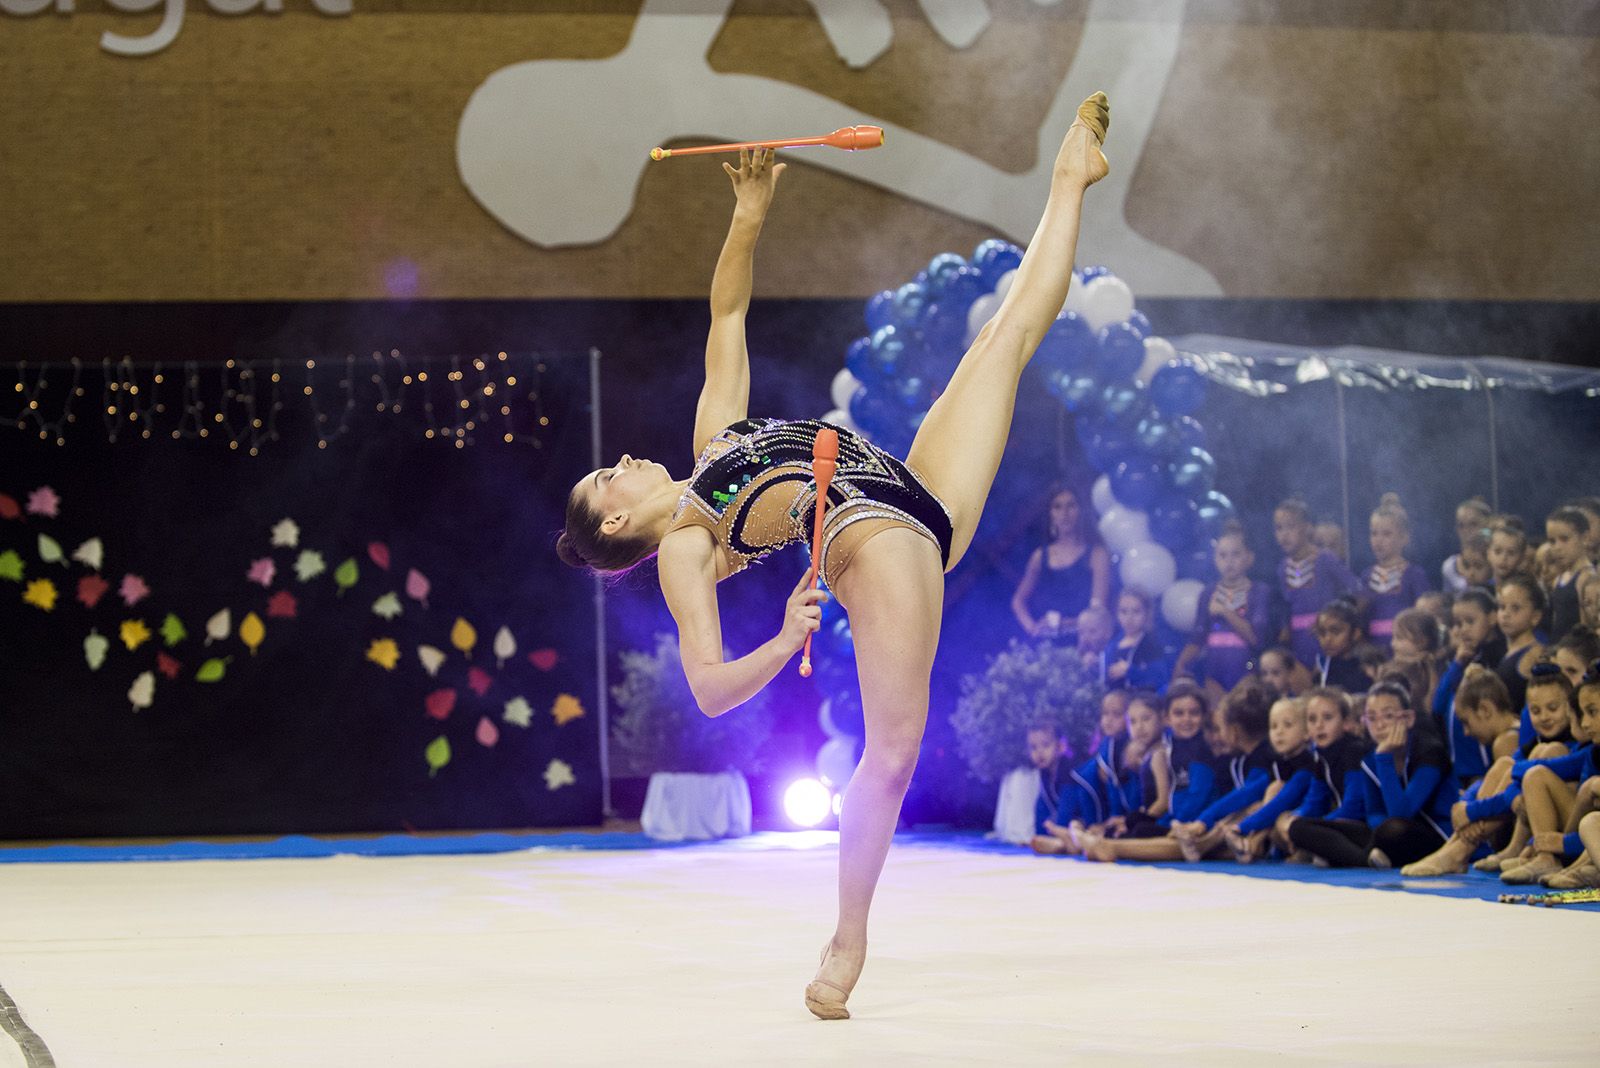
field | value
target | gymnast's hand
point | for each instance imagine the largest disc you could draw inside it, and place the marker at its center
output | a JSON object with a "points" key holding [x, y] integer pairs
{"points": [[803, 615], [756, 178]]}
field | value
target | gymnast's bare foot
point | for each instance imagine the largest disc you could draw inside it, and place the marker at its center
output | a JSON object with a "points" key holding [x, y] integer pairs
{"points": [[1080, 159], [1096, 848], [1048, 845], [1064, 835], [827, 993]]}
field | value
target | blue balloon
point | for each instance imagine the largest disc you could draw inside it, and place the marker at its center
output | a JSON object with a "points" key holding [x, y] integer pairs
{"points": [[857, 357], [1154, 436], [1140, 322], [1068, 346], [1178, 388], [1089, 274], [846, 712], [910, 301], [944, 327], [1192, 472], [994, 258], [1174, 522], [1136, 482], [835, 640], [1080, 394], [913, 393], [1215, 511], [1123, 403], [1186, 432], [883, 356], [880, 310], [961, 289], [1106, 446], [1121, 352], [941, 269], [872, 410]]}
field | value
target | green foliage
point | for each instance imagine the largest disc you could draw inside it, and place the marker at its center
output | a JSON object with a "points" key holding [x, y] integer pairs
{"points": [[1024, 686], [658, 726]]}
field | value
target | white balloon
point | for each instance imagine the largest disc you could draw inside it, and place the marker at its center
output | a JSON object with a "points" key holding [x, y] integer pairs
{"points": [[1180, 605], [1157, 351], [1122, 527], [1106, 300], [1003, 286], [1148, 568], [839, 417], [836, 760], [982, 311], [844, 387], [1074, 301], [1100, 495]]}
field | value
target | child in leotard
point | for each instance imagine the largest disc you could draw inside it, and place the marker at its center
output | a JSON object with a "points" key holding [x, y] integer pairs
{"points": [[1508, 547], [1233, 617], [1340, 630], [1565, 532], [1329, 536], [1583, 826], [1137, 660], [1419, 640], [1474, 639], [1545, 732], [1550, 773], [1308, 578], [1098, 788], [1473, 516], [1338, 751], [1280, 674], [1045, 754], [1145, 759], [1520, 602], [1393, 583], [1293, 765], [1245, 719]]}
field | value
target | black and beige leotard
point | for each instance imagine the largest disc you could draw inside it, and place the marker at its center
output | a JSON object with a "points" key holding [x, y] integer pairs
{"points": [[752, 488]]}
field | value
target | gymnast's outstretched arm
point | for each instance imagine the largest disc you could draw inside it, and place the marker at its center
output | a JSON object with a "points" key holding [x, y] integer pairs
{"points": [[725, 398]]}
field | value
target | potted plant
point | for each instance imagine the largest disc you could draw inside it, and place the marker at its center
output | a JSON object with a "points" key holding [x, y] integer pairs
{"points": [[1027, 685], [696, 789]]}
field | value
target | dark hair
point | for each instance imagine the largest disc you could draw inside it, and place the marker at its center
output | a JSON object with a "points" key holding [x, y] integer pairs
{"points": [[1295, 507], [1580, 640], [1483, 687], [1529, 585], [1479, 596], [1509, 524], [1247, 709], [583, 545], [1187, 688], [1087, 532], [1476, 504], [1150, 699], [1414, 676], [1590, 678], [1422, 627], [1585, 504], [1278, 650], [1397, 688], [1347, 609], [1340, 699], [1571, 517], [1546, 673]]}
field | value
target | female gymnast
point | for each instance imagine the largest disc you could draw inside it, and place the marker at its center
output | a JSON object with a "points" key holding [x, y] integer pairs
{"points": [[892, 529]]}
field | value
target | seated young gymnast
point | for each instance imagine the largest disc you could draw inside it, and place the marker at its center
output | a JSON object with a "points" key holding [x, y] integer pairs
{"points": [[1099, 788], [1338, 752], [1341, 634], [1550, 775], [892, 529], [1045, 754], [1395, 813], [1294, 765], [1149, 784], [1475, 639], [1483, 707], [1245, 714]]}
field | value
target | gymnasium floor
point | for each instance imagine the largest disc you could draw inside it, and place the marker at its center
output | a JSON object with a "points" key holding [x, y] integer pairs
{"points": [[698, 955]]}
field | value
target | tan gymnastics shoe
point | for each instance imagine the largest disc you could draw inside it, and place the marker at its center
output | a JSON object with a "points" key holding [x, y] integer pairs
{"points": [[825, 998], [1086, 159]]}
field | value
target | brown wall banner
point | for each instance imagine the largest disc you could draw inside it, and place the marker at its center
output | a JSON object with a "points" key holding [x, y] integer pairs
{"points": [[202, 150]]}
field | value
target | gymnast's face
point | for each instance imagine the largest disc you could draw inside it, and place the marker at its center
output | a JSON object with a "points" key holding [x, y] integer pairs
{"points": [[1547, 708], [1186, 717], [1324, 721], [615, 490]]}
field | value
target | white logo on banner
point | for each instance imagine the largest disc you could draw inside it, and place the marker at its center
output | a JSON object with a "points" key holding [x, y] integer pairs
{"points": [[171, 17], [554, 149]]}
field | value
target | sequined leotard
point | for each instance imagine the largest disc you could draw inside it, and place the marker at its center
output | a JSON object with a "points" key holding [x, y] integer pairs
{"points": [[752, 488]]}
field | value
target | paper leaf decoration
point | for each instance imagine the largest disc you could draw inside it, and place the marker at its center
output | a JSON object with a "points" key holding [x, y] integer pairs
{"points": [[463, 637], [219, 626], [479, 680], [438, 754], [505, 646], [50, 550], [519, 712], [213, 670], [44, 501], [143, 690], [285, 534], [432, 659], [262, 571], [543, 659], [281, 605], [41, 593], [488, 733], [90, 554], [566, 709], [309, 564], [167, 665], [134, 633], [133, 590], [11, 566], [8, 507], [172, 630], [378, 553], [387, 607], [417, 586], [440, 703], [94, 649], [384, 652], [346, 575], [90, 589], [558, 773], [251, 632]]}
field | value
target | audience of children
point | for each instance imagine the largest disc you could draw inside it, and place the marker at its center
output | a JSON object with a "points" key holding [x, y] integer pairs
{"points": [[1473, 746]]}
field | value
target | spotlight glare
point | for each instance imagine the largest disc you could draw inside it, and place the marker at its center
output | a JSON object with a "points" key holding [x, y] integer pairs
{"points": [[806, 802]]}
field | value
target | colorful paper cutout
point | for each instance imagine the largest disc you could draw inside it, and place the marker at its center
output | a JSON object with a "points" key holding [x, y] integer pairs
{"points": [[134, 633], [488, 734], [11, 566], [463, 636], [558, 773], [44, 501], [285, 534], [440, 703], [384, 652], [519, 712], [387, 607], [417, 586], [252, 633], [90, 554], [143, 691], [50, 550], [566, 709], [219, 626], [346, 575], [281, 605], [90, 589], [505, 646], [544, 659], [432, 659], [479, 680], [94, 649], [41, 593], [167, 665], [378, 553], [213, 670], [262, 571], [9, 508], [172, 630], [438, 754], [309, 564], [132, 590]]}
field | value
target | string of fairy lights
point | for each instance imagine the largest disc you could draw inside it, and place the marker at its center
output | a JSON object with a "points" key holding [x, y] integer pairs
{"points": [[463, 400]]}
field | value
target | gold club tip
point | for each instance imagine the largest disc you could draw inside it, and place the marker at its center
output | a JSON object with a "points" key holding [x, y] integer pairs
{"points": [[660, 153]]}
